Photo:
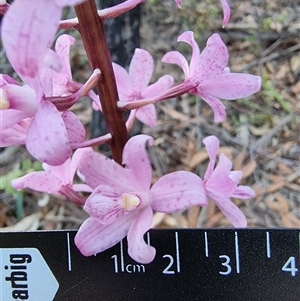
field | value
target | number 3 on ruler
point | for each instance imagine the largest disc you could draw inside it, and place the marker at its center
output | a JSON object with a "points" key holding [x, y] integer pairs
{"points": [[225, 264]]}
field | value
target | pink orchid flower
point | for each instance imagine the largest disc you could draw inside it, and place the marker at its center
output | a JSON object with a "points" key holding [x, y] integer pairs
{"points": [[50, 135], [221, 184], [134, 84], [207, 75], [56, 179], [122, 201], [225, 7]]}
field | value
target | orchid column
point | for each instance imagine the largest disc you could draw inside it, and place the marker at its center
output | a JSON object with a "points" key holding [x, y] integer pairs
{"points": [[94, 40]]}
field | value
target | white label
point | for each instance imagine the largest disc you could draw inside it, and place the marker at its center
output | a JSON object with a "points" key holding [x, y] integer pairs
{"points": [[25, 275]]}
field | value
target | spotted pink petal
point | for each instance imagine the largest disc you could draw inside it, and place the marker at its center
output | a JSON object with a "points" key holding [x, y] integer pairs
{"points": [[212, 60], [136, 159], [47, 138], [231, 86], [137, 247], [141, 69], [62, 48], [94, 237], [42, 181], [177, 191], [20, 41]]}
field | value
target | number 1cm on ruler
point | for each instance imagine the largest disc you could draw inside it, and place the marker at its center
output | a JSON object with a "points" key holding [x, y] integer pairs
{"points": [[140, 268]]}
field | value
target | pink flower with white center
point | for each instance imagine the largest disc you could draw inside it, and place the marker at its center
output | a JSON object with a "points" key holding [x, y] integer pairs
{"points": [[122, 201], [134, 84], [56, 179], [221, 184], [207, 75], [225, 7]]}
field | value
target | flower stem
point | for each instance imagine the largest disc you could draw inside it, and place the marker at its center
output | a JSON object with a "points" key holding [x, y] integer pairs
{"points": [[94, 40]]}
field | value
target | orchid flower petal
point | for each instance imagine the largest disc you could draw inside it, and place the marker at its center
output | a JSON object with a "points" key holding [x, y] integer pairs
{"points": [[61, 172], [136, 159], [178, 3], [188, 37], [21, 98], [103, 204], [212, 145], [231, 211], [11, 117], [124, 82], [47, 138], [62, 48], [42, 181], [94, 237], [175, 57], [231, 86], [75, 129], [147, 115], [52, 60], [226, 12], [140, 69], [75, 161], [224, 166], [220, 184], [177, 191], [44, 17], [243, 192], [137, 247], [235, 175], [96, 169], [15, 135], [212, 60], [163, 83], [217, 106]]}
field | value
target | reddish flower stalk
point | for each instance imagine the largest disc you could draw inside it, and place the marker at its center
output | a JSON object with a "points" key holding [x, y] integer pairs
{"points": [[93, 37]]}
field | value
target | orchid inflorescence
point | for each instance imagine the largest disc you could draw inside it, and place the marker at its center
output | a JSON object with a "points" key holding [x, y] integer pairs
{"points": [[37, 113]]}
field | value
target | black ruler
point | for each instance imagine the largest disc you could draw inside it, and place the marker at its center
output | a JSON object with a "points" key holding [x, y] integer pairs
{"points": [[212, 264]]}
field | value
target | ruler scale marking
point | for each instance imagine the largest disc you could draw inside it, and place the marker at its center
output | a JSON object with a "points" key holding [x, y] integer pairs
{"points": [[237, 255], [122, 255], [268, 244], [206, 244], [177, 252], [69, 252]]}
